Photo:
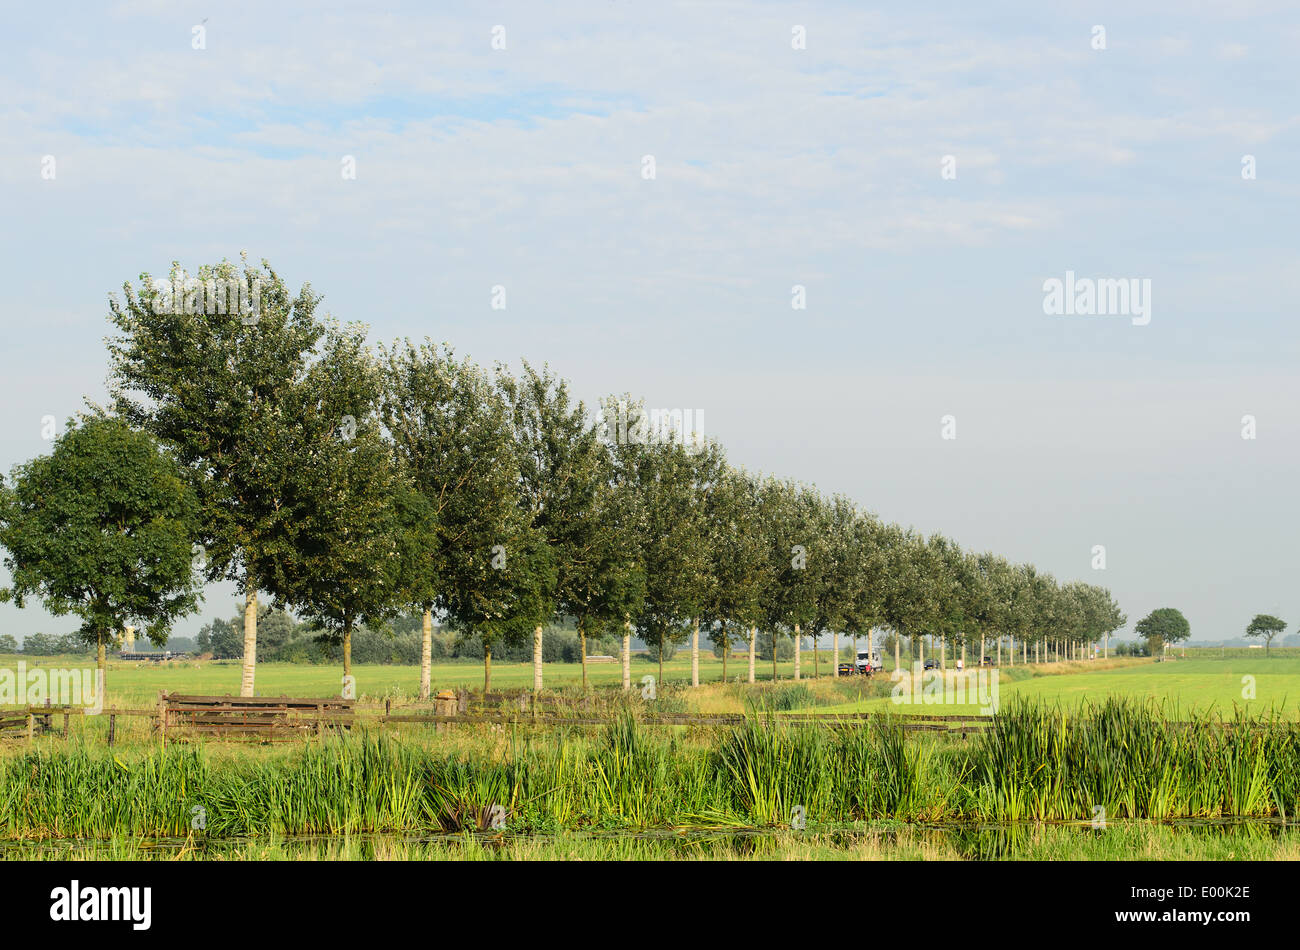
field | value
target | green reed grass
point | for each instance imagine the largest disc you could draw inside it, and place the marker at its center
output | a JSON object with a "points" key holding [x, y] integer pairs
{"points": [[1035, 763]]}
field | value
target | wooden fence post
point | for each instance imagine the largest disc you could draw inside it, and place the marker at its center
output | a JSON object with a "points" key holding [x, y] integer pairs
{"points": [[112, 725]]}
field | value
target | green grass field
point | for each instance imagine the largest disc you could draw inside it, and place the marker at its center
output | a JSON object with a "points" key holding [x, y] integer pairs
{"points": [[1256, 684], [137, 683], [1206, 682]]}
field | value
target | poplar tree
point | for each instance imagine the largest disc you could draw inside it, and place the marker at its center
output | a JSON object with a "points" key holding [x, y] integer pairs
{"points": [[562, 464], [452, 436], [223, 392]]}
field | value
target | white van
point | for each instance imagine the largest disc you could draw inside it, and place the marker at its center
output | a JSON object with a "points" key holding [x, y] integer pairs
{"points": [[869, 661]]}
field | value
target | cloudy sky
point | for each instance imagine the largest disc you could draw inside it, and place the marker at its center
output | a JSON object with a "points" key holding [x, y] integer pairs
{"points": [[920, 171]]}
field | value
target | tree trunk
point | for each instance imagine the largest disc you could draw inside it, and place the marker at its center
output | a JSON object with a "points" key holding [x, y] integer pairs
{"points": [[695, 654], [835, 667], [943, 652], [101, 662], [537, 658], [753, 637], [774, 655], [897, 637], [1024, 651], [582, 648], [487, 669], [726, 649], [347, 660], [999, 651], [250, 638], [921, 646], [796, 651], [661, 662], [979, 661], [817, 659], [627, 654], [426, 654], [871, 647], [1105, 647]]}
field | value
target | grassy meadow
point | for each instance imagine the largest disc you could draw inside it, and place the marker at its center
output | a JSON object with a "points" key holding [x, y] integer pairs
{"points": [[1068, 738]]}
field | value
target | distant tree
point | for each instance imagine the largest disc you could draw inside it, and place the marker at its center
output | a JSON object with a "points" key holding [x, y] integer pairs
{"points": [[8, 644], [102, 528], [1266, 626], [40, 644], [1161, 626], [224, 639]]}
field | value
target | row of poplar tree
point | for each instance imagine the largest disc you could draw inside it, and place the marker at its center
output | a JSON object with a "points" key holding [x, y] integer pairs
{"points": [[352, 484]]}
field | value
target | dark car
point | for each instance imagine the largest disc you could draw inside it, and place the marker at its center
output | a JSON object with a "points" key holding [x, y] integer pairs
{"points": [[931, 664], [847, 669]]}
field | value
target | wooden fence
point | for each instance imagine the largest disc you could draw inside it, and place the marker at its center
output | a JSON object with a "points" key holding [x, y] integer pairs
{"points": [[274, 718]]}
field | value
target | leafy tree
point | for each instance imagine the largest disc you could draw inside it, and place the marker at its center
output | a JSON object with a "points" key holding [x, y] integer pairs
{"points": [[102, 529], [451, 434], [614, 582], [562, 466], [1266, 626], [341, 569], [1161, 626], [738, 562], [225, 393], [8, 644], [675, 550], [797, 555]]}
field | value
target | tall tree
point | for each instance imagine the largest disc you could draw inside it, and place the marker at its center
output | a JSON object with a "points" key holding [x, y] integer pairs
{"points": [[675, 551], [102, 528], [342, 569], [562, 465], [739, 563], [796, 549], [223, 392], [451, 431]]}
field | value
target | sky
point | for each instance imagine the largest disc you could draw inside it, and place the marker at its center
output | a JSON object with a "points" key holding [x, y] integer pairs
{"points": [[921, 171]]}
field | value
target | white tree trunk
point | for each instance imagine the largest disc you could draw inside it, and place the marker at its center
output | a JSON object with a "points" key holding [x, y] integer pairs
{"points": [[627, 655], [537, 658], [250, 641], [695, 655], [426, 654], [1105, 647], [796, 650], [753, 638], [835, 667]]}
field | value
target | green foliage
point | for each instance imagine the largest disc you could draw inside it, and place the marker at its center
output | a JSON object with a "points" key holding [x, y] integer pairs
{"points": [[102, 529], [1266, 626], [1163, 625]]}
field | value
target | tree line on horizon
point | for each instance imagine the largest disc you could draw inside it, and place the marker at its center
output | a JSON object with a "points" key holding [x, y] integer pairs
{"points": [[354, 484]]}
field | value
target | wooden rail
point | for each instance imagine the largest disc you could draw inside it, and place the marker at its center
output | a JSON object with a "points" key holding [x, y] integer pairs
{"points": [[271, 718]]}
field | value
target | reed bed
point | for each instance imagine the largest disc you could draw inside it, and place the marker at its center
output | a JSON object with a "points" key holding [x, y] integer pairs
{"points": [[1035, 763]]}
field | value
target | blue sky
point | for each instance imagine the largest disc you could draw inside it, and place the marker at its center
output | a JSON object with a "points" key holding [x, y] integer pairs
{"points": [[774, 167]]}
